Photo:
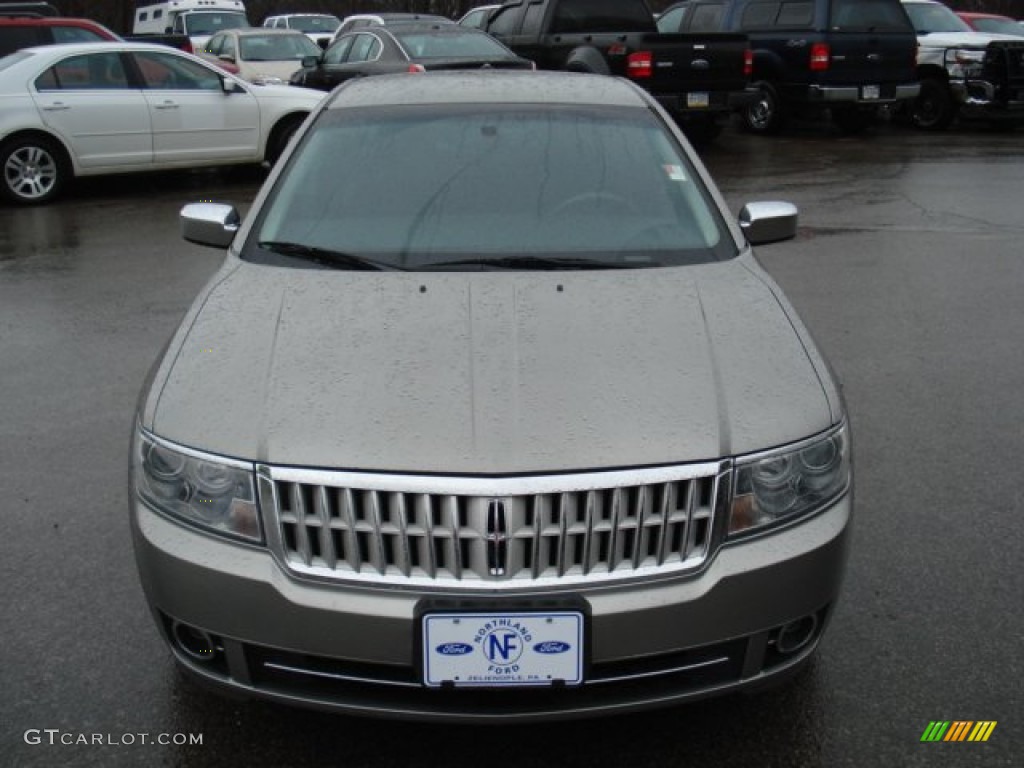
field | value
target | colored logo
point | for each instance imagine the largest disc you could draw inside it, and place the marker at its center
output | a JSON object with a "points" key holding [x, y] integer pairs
{"points": [[551, 646], [958, 730], [454, 649]]}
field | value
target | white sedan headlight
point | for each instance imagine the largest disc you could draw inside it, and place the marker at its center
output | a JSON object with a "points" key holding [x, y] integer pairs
{"points": [[774, 488], [210, 492]]}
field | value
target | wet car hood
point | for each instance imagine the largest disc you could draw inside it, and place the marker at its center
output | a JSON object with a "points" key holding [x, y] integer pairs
{"points": [[489, 372]]}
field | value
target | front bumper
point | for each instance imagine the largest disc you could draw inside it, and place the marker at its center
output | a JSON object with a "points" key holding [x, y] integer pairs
{"points": [[983, 99], [352, 649]]}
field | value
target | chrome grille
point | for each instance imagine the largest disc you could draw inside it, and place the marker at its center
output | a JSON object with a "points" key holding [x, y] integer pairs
{"points": [[489, 533]]}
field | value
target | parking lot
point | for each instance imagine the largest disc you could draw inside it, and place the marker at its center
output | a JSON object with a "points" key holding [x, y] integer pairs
{"points": [[908, 269]]}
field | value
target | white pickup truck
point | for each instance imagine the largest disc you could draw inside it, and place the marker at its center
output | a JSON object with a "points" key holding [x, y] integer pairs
{"points": [[199, 19], [964, 73]]}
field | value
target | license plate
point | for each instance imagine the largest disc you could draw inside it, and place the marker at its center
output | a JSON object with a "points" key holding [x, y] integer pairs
{"points": [[870, 92], [697, 100], [499, 650]]}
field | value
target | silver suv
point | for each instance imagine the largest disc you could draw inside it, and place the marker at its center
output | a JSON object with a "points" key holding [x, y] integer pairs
{"points": [[490, 413]]}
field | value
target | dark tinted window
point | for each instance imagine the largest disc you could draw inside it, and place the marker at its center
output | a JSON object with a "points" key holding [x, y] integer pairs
{"points": [[759, 15], [421, 44], [795, 15], [16, 38], [868, 14], [707, 18], [577, 16], [169, 72]]}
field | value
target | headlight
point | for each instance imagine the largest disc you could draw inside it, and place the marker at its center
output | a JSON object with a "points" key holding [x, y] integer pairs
{"points": [[964, 63], [206, 491], [774, 488]]}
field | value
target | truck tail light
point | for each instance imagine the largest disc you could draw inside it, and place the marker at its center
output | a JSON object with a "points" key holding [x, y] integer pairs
{"points": [[748, 63], [820, 56], [640, 65], [187, 47]]}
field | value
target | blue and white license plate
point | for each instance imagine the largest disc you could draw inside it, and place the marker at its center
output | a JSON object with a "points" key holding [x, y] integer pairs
{"points": [[500, 650]]}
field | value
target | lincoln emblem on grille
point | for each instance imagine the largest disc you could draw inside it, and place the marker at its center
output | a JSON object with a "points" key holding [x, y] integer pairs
{"points": [[497, 537]]}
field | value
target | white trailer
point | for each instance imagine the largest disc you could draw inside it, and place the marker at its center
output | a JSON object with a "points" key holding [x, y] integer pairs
{"points": [[199, 19]]}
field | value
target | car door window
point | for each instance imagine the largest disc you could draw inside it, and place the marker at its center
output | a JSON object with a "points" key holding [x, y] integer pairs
{"points": [[91, 71], [163, 71], [215, 44], [229, 48], [336, 53], [706, 18], [506, 20], [74, 35], [672, 20], [365, 48]]}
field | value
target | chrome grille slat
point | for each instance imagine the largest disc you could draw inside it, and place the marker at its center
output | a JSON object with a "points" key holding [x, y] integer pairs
{"points": [[426, 531]]}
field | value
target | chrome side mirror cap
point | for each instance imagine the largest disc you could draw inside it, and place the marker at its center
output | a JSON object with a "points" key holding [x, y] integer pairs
{"points": [[212, 224], [768, 222]]}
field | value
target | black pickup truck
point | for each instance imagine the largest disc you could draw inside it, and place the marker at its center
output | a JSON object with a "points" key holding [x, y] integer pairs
{"points": [[851, 57], [699, 79]]}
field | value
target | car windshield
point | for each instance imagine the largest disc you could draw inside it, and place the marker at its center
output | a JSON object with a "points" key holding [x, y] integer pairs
{"points": [[932, 17], [491, 186], [206, 23], [277, 47], [999, 26], [455, 43], [312, 24]]}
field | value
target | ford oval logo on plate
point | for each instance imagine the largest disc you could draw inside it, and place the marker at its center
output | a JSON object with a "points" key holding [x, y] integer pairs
{"points": [[551, 646], [454, 649]]}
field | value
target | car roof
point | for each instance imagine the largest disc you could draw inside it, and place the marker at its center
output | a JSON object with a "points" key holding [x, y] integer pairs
{"points": [[472, 87]]}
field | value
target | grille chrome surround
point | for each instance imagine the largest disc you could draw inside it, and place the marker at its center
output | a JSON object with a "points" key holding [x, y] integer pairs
{"points": [[552, 530]]}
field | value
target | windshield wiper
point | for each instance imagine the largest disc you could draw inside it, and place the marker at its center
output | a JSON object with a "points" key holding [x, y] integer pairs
{"points": [[326, 257], [537, 262]]}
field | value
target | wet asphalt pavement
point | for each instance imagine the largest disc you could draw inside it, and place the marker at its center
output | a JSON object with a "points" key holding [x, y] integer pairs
{"points": [[909, 269]]}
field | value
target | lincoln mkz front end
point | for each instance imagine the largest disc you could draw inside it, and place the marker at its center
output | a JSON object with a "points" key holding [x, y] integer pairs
{"points": [[530, 434]]}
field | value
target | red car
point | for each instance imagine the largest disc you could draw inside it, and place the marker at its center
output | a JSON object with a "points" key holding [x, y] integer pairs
{"points": [[26, 32], [993, 23]]}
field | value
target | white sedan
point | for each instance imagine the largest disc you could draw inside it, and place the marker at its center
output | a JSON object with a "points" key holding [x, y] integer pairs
{"points": [[97, 108]]}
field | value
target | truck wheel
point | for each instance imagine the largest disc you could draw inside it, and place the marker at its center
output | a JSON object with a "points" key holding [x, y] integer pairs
{"points": [[766, 115], [933, 109], [34, 170]]}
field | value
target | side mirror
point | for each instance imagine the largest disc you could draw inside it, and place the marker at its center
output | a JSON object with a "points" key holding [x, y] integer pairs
{"points": [[230, 85], [768, 222], [212, 224], [311, 62]]}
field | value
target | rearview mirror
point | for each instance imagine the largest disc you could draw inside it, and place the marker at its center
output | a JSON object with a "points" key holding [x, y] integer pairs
{"points": [[212, 224]]}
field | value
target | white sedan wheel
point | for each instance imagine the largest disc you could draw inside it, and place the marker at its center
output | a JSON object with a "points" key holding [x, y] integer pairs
{"points": [[31, 171]]}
